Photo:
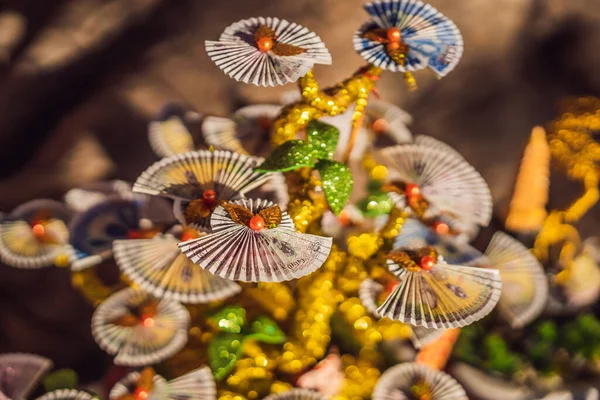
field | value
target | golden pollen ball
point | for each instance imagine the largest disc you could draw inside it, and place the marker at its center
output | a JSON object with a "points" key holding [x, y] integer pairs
{"points": [[264, 44], [393, 35]]}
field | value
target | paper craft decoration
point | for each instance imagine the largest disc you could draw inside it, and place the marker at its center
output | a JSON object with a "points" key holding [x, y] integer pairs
{"points": [[83, 198], [198, 384], [267, 51], [67, 394], [297, 394], [199, 181], [157, 266], [383, 118], [437, 295], [408, 35], [168, 133], [412, 380], [20, 373], [35, 234], [254, 241], [140, 329]]}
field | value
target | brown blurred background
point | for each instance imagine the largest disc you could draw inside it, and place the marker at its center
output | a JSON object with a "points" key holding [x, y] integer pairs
{"points": [[79, 81]]}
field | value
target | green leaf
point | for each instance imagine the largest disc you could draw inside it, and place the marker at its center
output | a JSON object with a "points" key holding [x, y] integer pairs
{"points": [[322, 138], [292, 154], [230, 319], [264, 329], [337, 183], [376, 204], [61, 379], [224, 351]]}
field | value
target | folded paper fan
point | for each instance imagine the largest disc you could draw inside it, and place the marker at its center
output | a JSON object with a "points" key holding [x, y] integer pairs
{"points": [[370, 291], [407, 35], [416, 381], [248, 131], [198, 384], [415, 235], [296, 394], [524, 283], [437, 295], [67, 394], [200, 180], [140, 329], [168, 134], [83, 198], [20, 373], [254, 241], [383, 118], [157, 266], [35, 235], [267, 51], [433, 181]]}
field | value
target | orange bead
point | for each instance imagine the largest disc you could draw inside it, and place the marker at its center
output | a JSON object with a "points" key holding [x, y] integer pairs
{"points": [[440, 228], [393, 46], [140, 394], [38, 230], [257, 223], [412, 189], [147, 321], [188, 234], [264, 44], [427, 263], [210, 196], [380, 126], [389, 288], [394, 35]]}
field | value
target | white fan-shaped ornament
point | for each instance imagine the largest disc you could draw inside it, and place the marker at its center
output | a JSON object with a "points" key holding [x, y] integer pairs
{"points": [[198, 384], [399, 382], [190, 176], [448, 183], [291, 52], [150, 339], [369, 291], [237, 252], [385, 118], [247, 131], [447, 296], [168, 134], [20, 373], [157, 266], [67, 394], [524, 283], [431, 39], [34, 234], [83, 198], [297, 394]]}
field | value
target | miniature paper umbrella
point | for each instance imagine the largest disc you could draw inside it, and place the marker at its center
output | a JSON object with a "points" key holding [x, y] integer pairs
{"points": [[370, 293], [199, 181], [140, 329], [198, 384], [168, 133], [20, 373], [250, 125], [412, 380], [157, 266], [433, 181], [35, 235], [415, 235], [267, 51], [296, 394], [254, 241], [67, 394], [408, 35], [524, 282], [437, 295], [83, 198]]}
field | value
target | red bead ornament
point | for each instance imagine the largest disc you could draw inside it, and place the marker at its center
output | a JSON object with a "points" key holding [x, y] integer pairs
{"points": [[412, 189], [209, 196], [38, 231], [140, 394], [441, 228], [427, 263], [147, 321], [188, 234], [257, 223], [264, 44], [380, 126], [390, 286], [394, 35]]}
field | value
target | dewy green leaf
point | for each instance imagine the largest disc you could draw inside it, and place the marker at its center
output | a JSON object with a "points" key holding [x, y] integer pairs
{"points": [[61, 379], [224, 351], [292, 154], [337, 183], [264, 329], [322, 138], [230, 319]]}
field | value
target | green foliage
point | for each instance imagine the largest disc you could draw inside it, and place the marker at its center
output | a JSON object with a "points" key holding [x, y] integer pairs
{"points": [[376, 204], [499, 357], [582, 336], [230, 319], [291, 155], [465, 349], [264, 329], [337, 183], [224, 351], [322, 138], [61, 379]]}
